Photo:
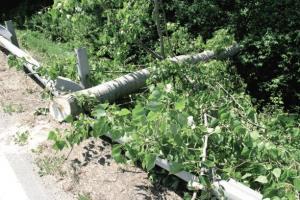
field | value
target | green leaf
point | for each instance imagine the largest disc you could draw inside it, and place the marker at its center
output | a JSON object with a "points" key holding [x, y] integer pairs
{"points": [[149, 161], [117, 153], [100, 127], [99, 112], [123, 112], [180, 105], [52, 136], [175, 168], [59, 145], [138, 111], [69, 119], [246, 175], [218, 130], [254, 135], [155, 106], [239, 130], [209, 163], [276, 172], [261, 179], [152, 116], [296, 183]]}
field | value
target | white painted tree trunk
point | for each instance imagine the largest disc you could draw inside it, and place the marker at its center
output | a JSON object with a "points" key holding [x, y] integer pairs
{"points": [[62, 107]]}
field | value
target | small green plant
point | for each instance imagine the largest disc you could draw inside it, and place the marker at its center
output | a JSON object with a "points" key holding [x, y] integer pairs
{"points": [[41, 111], [12, 108], [21, 138], [84, 196], [46, 94], [50, 165], [15, 62], [38, 150]]}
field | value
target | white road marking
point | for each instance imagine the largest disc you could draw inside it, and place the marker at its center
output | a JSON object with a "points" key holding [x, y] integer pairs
{"points": [[10, 186]]}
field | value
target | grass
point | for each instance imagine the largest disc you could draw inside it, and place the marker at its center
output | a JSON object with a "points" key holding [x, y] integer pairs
{"points": [[50, 165], [12, 108], [42, 47], [84, 196], [21, 138]]}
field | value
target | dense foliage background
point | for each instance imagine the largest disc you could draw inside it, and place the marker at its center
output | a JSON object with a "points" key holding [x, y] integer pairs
{"points": [[19, 10], [268, 31]]}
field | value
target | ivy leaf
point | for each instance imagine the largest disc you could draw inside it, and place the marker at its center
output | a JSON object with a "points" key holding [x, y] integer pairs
{"points": [[261, 179], [149, 161], [175, 168], [297, 184], [180, 105], [276, 172]]}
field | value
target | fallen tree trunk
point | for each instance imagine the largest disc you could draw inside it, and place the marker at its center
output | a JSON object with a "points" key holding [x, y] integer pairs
{"points": [[64, 106], [207, 55]]}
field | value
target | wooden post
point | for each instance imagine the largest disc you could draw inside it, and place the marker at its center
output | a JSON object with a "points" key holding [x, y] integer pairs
{"points": [[83, 67], [10, 27]]}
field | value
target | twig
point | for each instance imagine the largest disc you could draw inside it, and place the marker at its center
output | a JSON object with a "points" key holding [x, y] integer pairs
{"points": [[154, 54], [158, 27], [204, 152], [232, 97], [69, 153], [125, 72], [239, 105]]}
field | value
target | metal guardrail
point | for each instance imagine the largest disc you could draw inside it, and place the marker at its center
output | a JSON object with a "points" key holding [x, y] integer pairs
{"points": [[5, 33]]}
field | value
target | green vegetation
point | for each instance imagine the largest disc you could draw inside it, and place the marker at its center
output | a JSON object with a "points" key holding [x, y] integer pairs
{"points": [[50, 165], [251, 101], [21, 138], [84, 197], [12, 108]]}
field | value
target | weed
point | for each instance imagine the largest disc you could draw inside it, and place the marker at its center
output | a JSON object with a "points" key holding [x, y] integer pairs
{"points": [[84, 196], [21, 138], [11, 108], [50, 165], [41, 111], [39, 149], [46, 94]]}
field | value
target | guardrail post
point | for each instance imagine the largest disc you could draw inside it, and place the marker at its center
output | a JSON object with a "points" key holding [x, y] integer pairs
{"points": [[83, 67], [10, 27]]}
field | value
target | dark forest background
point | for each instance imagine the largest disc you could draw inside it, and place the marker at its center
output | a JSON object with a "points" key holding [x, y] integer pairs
{"points": [[19, 10]]}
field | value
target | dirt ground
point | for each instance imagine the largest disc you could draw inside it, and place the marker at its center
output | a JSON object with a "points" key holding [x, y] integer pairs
{"points": [[89, 172]]}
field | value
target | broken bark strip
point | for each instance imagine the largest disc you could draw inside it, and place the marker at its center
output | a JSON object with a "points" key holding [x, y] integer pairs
{"points": [[62, 107]]}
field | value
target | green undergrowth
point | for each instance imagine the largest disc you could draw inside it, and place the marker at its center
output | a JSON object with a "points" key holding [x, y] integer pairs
{"points": [[185, 103], [259, 149]]}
